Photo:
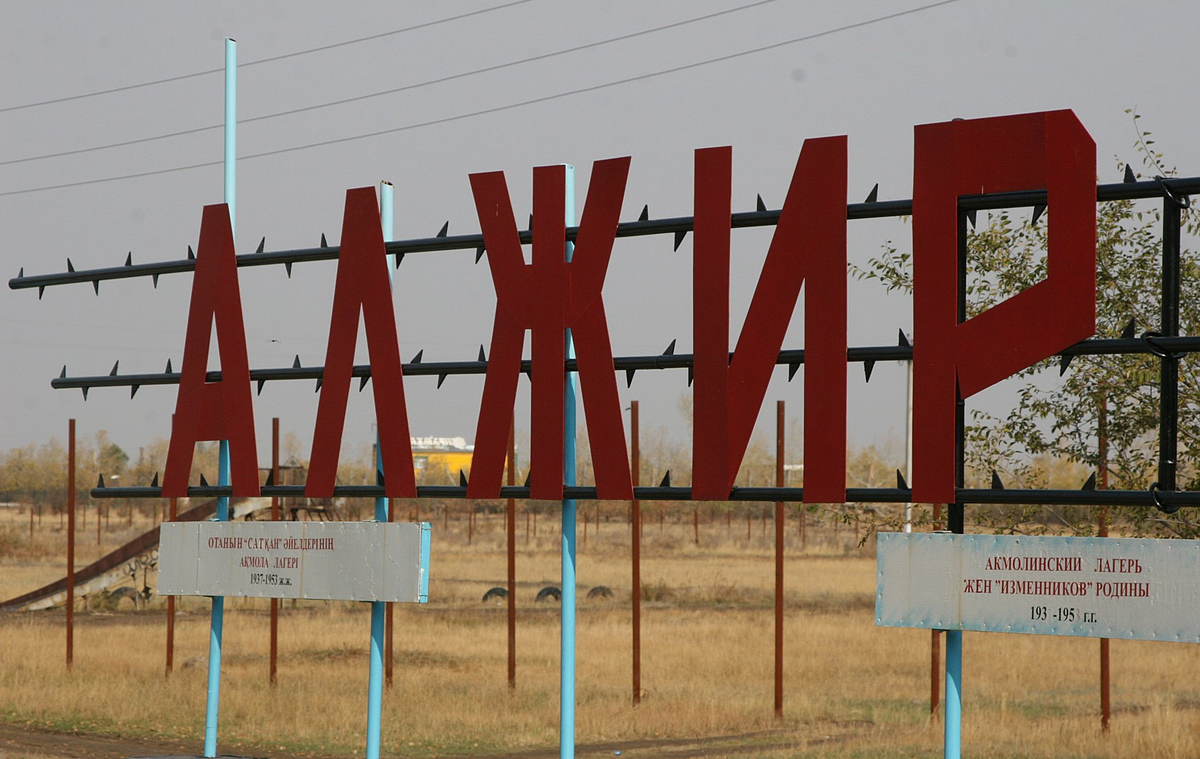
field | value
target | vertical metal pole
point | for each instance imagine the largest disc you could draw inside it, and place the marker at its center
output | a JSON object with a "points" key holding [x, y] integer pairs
{"points": [[387, 221], [1168, 383], [171, 609], [510, 518], [70, 544], [908, 442], [636, 528], [217, 623], [1102, 434], [566, 720], [273, 670], [779, 454], [953, 694], [378, 608]]}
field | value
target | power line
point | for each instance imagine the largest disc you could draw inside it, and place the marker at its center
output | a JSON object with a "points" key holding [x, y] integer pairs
{"points": [[394, 90], [501, 108], [306, 51]]}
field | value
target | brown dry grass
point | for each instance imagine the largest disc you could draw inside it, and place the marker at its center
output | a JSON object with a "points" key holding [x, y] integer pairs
{"points": [[852, 689]]}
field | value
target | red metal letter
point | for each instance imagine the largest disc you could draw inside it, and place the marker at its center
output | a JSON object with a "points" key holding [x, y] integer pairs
{"points": [[548, 297], [362, 282], [809, 241], [220, 410], [1050, 151]]}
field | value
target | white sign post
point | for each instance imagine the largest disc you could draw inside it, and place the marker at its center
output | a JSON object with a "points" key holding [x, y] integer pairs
{"points": [[352, 561], [1136, 589]]}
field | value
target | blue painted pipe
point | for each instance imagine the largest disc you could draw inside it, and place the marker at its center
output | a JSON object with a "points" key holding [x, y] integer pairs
{"points": [[217, 620], [378, 608], [953, 748], [566, 720]]}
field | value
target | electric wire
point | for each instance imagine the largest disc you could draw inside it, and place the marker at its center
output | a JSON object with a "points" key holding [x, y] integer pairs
{"points": [[272, 59], [394, 90], [495, 109]]}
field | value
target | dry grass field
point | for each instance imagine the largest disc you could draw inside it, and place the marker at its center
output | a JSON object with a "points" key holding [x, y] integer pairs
{"points": [[852, 690]]}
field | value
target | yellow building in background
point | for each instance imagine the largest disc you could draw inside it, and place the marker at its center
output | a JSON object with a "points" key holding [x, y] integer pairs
{"points": [[448, 454]]}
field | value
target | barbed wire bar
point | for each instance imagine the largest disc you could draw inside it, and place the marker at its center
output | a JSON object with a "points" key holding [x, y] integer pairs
{"points": [[1164, 188]]}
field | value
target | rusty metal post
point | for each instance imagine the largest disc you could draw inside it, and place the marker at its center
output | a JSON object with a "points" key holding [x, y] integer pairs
{"points": [[274, 518], [779, 453], [1105, 672], [71, 544], [171, 610], [636, 540], [935, 651], [511, 528]]}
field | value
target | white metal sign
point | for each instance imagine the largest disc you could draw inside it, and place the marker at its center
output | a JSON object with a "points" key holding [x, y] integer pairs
{"points": [[354, 561], [1094, 587]]}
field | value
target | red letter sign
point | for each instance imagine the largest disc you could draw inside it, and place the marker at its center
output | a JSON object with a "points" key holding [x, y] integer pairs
{"points": [[547, 297], [220, 410], [362, 282], [1050, 151], [810, 239]]}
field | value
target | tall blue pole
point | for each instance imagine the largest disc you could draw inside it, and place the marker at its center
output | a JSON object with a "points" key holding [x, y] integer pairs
{"points": [[378, 608], [953, 749], [217, 622], [566, 720]]}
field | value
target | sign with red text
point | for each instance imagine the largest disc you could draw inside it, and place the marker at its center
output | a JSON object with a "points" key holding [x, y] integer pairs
{"points": [[1137, 589], [351, 561]]}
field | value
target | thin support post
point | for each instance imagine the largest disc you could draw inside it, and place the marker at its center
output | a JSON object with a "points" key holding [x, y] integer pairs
{"points": [[566, 719], [1168, 382], [272, 674], [636, 530], [70, 544], [1105, 681], [217, 620], [779, 544], [382, 511], [953, 733], [510, 524]]}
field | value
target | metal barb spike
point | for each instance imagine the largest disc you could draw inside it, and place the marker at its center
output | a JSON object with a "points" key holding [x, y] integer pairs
{"points": [[70, 266], [417, 358], [113, 373], [1129, 177], [792, 369], [462, 479], [479, 253], [1063, 362], [362, 382], [129, 259], [645, 214], [444, 230], [320, 380], [287, 265], [270, 478], [679, 238], [379, 480], [629, 377], [154, 279], [100, 483], [868, 367], [168, 366], [760, 206], [85, 392], [1130, 330], [1038, 210], [1091, 483], [296, 362], [482, 356], [691, 375], [873, 195], [530, 222], [397, 260], [64, 372], [41, 291], [21, 273], [191, 253], [133, 391], [154, 482], [203, 482], [260, 386], [528, 474], [96, 286], [262, 244], [324, 244], [904, 343], [900, 481], [666, 480], [996, 483], [441, 379], [670, 351]]}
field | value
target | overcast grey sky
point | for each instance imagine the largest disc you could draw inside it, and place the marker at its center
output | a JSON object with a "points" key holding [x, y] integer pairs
{"points": [[872, 82]]}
